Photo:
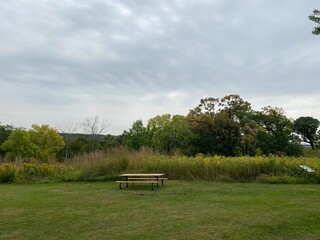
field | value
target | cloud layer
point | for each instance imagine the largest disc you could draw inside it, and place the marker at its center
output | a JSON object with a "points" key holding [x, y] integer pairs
{"points": [[63, 61]]}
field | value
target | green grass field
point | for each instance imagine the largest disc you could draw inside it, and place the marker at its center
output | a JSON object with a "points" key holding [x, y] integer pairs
{"points": [[179, 210]]}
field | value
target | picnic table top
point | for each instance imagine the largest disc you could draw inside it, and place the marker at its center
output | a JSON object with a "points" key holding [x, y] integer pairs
{"points": [[142, 174]]}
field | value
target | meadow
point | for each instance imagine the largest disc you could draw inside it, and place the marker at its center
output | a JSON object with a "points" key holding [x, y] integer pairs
{"points": [[107, 165], [178, 210]]}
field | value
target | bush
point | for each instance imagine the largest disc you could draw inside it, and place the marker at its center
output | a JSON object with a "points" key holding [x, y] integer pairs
{"points": [[7, 172], [35, 172]]}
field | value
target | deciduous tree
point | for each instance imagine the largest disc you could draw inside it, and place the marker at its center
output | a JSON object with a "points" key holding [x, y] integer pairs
{"points": [[226, 134], [47, 142], [95, 127], [276, 133], [40, 143], [18, 144], [5, 131], [67, 132], [315, 17], [169, 133], [217, 124], [137, 136], [307, 128]]}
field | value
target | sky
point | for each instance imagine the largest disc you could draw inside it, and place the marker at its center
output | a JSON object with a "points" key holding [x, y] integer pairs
{"points": [[123, 60]]}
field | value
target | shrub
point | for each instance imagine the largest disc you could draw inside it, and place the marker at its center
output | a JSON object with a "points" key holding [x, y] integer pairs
{"points": [[35, 172], [7, 172]]}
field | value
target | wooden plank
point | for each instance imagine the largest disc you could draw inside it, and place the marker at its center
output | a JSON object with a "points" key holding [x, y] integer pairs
{"points": [[142, 174], [147, 178], [138, 182]]}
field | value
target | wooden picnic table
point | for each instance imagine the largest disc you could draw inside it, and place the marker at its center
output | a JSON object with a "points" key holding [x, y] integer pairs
{"points": [[142, 178]]}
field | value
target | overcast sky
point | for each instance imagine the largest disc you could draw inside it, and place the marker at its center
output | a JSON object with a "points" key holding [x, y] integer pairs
{"points": [[124, 60]]}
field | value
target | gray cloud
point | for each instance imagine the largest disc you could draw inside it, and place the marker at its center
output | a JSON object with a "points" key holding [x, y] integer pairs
{"points": [[63, 61]]}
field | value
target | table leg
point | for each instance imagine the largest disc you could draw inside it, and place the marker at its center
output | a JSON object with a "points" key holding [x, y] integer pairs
{"points": [[127, 185]]}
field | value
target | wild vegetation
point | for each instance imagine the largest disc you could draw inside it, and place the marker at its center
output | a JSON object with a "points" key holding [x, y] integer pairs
{"points": [[102, 166]]}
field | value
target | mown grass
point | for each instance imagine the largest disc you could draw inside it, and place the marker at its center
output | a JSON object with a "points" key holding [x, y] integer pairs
{"points": [[179, 210]]}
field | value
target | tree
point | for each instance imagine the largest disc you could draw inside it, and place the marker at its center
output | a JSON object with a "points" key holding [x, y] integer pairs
{"points": [[181, 134], [315, 17], [307, 128], [249, 129], [157, 128], [67, 132], [207, 106], [234, 106], [276, 132], [47, 142], [95, 128], [226, 133], [169, 133], [137, 136], [235, 130], [217, 124], [111, 141], [18, 144], [5, 131], [79, 145], [201, 120], [40, 143], [203, 136]]}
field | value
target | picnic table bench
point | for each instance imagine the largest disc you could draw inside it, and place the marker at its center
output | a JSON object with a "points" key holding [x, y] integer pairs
{"points": [[142, 178]]}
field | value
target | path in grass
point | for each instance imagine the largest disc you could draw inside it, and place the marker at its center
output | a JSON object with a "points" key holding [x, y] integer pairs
{"points": [[179, 210]]}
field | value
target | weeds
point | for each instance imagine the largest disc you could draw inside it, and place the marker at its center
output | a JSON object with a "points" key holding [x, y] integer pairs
{"points": [[7, 172], [107, 165]]}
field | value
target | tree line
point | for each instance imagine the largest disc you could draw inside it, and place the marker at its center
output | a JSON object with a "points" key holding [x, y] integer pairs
{"points": [[225, 126]]}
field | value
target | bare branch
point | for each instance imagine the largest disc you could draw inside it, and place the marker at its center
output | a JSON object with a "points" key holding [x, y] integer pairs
{"points": [[94, 126], [69, 128]]}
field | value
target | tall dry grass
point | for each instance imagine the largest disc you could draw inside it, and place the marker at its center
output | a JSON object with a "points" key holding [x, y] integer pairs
{"points": [[237, 169], [107, 165]]}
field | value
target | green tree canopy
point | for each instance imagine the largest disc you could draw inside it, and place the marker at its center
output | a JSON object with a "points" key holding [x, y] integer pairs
{"points": [[315, 17], [216, 123], [18, 144], [275, 135], [48, 142], [138, 136], [226, 133], [5, 131], [169, 133], [40, 143], [307, 128]]}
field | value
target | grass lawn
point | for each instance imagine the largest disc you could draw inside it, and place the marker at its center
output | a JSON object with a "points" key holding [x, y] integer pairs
{"points": [[179, 210]]}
